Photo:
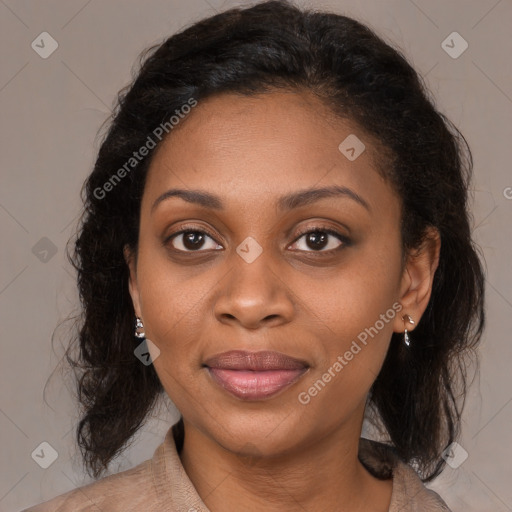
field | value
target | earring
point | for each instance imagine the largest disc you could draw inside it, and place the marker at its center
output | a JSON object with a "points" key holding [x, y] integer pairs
{"points": [[407, 318], [139, 325]]}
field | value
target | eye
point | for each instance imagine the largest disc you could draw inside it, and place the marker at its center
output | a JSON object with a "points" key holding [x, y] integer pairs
{"points": [[191, 240], [318, 239]]}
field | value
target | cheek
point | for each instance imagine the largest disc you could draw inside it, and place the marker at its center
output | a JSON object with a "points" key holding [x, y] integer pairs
{"points": [[355, 296], [172, 303], [174, 318], [173, 312], [177, 311], [357, 307], [357, 327]]}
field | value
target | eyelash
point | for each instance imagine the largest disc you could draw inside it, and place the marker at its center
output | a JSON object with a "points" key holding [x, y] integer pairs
{"points": [[345, 242]]}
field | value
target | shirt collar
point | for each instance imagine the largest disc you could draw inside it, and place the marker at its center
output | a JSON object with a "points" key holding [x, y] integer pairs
{"points": [[175, 490]]}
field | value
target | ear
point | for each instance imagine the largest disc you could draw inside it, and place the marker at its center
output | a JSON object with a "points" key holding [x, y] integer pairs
{"points": [[417, 279], [132, 281]]}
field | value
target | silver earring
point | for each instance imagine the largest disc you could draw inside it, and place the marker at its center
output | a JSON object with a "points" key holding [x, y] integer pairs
{"points": [[407, 318], [139, 325]]}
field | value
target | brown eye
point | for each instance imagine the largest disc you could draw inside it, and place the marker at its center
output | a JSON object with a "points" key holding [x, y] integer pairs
{"points": [[322, 240], [191, 241]]}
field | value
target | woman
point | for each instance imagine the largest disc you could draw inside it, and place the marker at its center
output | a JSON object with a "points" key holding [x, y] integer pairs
{"points": [[276, 236]]}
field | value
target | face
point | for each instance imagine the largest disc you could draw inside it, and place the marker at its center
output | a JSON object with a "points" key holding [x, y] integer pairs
{"points": [[317, 277]]}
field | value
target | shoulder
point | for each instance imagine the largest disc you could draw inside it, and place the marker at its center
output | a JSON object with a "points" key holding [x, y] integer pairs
{"points": [[128, 490], [409, 492]]}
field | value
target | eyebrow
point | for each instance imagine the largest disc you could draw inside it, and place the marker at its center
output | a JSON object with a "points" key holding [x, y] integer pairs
{"points": [[287, 202]]}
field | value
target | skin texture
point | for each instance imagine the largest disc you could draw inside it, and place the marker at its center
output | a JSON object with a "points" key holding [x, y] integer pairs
{"points": [[274, 454]]}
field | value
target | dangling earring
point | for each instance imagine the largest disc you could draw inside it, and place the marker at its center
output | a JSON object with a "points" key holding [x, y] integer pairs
{"points": [[407, 318], [139, 325]]}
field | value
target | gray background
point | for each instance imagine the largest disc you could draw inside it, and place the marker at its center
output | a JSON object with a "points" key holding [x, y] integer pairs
{"points": [[51, 111]]}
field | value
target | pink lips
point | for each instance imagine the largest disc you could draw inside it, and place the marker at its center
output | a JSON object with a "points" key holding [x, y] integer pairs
{"points": [[255, 375]]}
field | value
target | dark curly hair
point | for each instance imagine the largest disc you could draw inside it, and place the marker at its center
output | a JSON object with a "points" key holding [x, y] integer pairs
{"points": [[418, 397]]}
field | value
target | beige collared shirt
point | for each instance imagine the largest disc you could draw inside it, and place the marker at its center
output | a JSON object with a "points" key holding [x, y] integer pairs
{"points": [[160, 484]]}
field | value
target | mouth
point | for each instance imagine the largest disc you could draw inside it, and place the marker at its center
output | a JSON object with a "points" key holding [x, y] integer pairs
{"points": [[255, 375]]}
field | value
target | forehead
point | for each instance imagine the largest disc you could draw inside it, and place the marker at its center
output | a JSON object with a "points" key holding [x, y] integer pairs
{"points": [[255, 148]]}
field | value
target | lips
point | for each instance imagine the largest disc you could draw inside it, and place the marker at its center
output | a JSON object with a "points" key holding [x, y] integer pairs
{"points": [[255, 375], [257, 361]]}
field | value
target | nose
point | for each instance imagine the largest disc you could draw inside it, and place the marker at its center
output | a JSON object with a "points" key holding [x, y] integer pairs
{"points": [[254, 295]]}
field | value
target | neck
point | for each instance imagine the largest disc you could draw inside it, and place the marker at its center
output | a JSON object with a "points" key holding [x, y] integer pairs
{"points": [[324, 475]]}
